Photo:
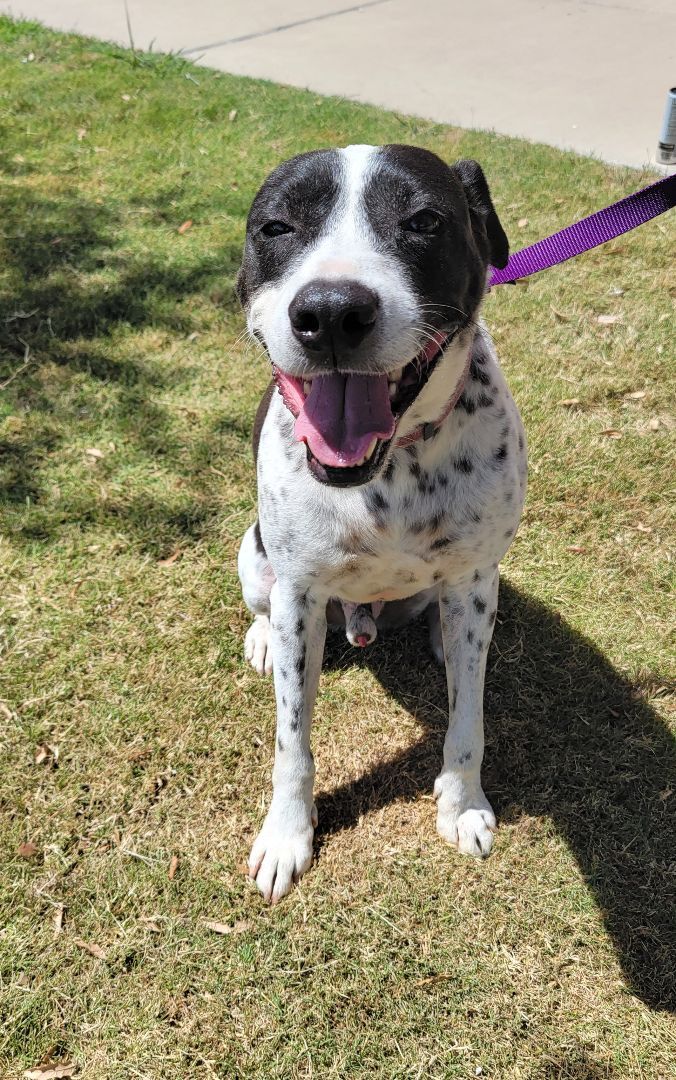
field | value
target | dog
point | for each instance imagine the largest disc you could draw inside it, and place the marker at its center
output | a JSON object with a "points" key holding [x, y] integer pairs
{"points": [[391, 458]]}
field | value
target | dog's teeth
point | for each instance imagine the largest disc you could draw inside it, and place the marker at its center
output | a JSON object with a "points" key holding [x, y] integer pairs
{"points": [[372, 446], [307, 386], [392, 387]]}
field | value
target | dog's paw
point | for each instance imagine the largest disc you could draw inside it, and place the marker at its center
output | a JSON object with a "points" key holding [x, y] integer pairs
{"points": [[258, 645], [468, 824], [282, 851]]}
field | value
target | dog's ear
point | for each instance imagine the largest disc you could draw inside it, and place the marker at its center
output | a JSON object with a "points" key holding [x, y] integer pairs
{"points": [[485, 221]]}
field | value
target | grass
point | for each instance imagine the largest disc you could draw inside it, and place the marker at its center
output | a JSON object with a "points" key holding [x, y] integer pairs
{"points": [[122, 629]]}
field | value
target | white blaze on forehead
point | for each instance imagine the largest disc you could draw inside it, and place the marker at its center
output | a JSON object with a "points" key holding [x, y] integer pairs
{"points": [[339, 250]]}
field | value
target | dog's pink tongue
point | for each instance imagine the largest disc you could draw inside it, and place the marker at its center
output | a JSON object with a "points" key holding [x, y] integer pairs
{"points": [[342, 415]]}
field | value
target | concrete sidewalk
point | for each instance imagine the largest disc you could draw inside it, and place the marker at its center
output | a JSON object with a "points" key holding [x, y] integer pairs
{"points": [[587, 75]]}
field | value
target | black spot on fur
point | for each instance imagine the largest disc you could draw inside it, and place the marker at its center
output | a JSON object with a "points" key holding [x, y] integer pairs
{"points": [[463, 758], [479, 645], [258, 540], [388, 471], [463, 465], [455, 698], [491, 616], [283, 701], [467, 404], [443, 480], [510, 532], [443, 542], [300, 625], [478, 375], [477, 576], [414, 469], [484, 401], [377, 502], [520, 442], [437, 575], [283, 673], [479, 604], [470, 636], [501, 452], [280, 745], [300, 663]]}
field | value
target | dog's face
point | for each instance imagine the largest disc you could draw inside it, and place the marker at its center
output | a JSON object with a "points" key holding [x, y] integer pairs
{"points": [[360, 266]]}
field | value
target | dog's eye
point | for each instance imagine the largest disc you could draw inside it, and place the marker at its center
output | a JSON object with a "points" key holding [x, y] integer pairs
{"points": [[275, 228], [425, 221]]}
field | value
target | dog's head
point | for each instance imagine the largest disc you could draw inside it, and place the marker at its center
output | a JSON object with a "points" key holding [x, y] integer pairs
{"points": [[360, 267]]}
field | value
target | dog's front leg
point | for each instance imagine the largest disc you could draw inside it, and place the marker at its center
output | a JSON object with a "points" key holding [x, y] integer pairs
{"points": [[282, 850], [464, 815]]}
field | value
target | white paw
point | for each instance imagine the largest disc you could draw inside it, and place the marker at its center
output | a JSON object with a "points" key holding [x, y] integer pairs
{"points": [[258, 646], [282, 851], [468, 823]]}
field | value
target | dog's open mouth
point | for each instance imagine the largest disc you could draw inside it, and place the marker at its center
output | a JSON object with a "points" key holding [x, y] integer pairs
{"points": [[347, 421]]}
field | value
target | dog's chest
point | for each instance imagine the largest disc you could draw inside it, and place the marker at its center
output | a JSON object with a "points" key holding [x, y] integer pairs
{"points": [[439, 510]]}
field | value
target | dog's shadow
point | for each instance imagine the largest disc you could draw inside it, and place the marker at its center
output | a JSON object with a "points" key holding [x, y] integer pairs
{"points": [[567, 737]]}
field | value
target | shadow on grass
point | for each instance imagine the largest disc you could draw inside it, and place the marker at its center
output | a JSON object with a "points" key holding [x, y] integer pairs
{"points": [[566, 737], [72, 286]]}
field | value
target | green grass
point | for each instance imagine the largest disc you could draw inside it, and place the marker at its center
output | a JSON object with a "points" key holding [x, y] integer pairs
{"points": [[122, 629]]}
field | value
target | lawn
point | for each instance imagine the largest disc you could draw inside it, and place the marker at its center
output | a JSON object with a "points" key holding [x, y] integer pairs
{"points": [[137, 747]]}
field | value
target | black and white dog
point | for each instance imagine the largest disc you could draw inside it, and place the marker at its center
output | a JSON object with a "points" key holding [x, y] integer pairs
{"points": [[391, 461]]}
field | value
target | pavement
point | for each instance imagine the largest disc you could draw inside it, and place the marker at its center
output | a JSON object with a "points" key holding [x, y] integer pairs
{"points": [[585, 75]]}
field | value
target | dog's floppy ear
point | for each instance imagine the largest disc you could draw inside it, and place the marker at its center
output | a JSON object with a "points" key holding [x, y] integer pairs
{"points": [[485, 221]]}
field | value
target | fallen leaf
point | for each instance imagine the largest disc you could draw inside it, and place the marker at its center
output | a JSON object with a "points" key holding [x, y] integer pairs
{"points": [[522, 222], [151, 925], [232, 115], [193, 337], [432, 979], [173, 867], [654, 423], [576, 549], [28, 849], [46, 753], [615, 291], [217, 927], [569, 402], [81, 132], [640, 527], [93, 950], [185, 226], [93, 452], [560, 315], [50, 1071], [635, 395], [170, 559], [126, 97], [612, 433], [5, 711], [58, 919], [608, 320]]}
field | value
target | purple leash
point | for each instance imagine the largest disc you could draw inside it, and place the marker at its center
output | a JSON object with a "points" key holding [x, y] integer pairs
{"points": [[596, 229]]}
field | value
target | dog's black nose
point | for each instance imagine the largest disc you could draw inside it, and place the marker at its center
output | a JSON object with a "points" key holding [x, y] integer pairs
{"points": [[331, 316]]}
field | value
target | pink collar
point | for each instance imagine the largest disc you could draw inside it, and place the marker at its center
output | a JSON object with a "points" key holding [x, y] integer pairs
{"points": [[426, 431]]}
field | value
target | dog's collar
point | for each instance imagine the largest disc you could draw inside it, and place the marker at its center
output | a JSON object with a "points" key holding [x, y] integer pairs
{"points": [[426, 431]]}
